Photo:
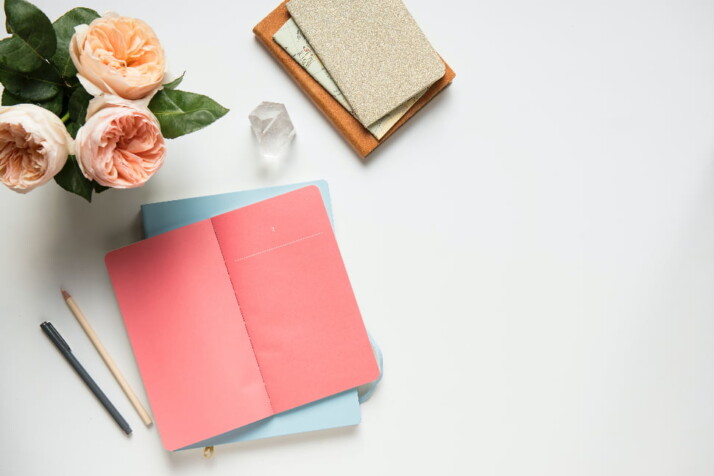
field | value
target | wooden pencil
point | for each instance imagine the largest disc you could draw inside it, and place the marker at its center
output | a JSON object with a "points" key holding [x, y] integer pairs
{"points": [[106, 358]]}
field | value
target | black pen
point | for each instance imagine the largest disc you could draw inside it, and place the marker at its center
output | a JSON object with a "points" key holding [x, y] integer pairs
{"points": [[64, 349]]}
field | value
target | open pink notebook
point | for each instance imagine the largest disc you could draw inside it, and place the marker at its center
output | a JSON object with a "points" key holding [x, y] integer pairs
{"points": [[240, 317]]}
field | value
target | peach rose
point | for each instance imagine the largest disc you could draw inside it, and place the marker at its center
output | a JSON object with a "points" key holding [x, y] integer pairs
{"points": [[34, 145], [117, 55], [120, 145]]}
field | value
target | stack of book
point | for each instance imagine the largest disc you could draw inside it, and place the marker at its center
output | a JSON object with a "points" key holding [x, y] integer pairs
{"points": [[242, 318], [365, 64]]}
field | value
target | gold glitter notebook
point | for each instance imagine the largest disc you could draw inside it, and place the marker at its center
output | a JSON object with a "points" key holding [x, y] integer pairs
{"points": [[373, 49]]}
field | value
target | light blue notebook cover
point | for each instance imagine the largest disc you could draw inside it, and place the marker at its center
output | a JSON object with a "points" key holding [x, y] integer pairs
{"points": [[331, 412]]}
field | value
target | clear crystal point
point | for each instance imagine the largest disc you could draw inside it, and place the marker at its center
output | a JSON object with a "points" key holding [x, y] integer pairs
{"points": [[273, 129]]}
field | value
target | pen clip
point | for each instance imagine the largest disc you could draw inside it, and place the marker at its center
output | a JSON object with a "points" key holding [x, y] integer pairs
{"points": [[51, 331]]}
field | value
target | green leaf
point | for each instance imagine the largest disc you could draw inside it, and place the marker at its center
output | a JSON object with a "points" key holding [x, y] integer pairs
{"points": [[175, 82], [39, 85], [72, 82], [71, 179], [99, 188], [78, 102], [9, 100], [33, 38], [180, 112], [14, 53], [53, 105], [64, 29]]}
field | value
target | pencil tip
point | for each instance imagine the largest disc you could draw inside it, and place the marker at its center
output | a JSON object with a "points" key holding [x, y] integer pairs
{"points": [[65, 294]]}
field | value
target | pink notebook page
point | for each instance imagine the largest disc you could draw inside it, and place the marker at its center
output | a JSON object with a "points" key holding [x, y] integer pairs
{"points": [[296, 298], [242, 316], [189, 340]]}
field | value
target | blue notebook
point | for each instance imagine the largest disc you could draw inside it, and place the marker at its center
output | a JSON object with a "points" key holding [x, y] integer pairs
{"points": [[331, 412]]}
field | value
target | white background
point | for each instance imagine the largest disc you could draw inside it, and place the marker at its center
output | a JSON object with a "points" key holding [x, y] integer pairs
{"points": [[534, 251]]}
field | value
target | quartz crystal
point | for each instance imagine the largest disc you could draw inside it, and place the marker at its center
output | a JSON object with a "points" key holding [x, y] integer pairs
{"points": [[273, 129]]}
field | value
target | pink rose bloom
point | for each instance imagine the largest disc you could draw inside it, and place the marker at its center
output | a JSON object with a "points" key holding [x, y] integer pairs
{"points": [[120, 145], [118, 55], [34, 146]]}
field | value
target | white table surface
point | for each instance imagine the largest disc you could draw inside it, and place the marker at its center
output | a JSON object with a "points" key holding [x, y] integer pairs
{"points": [[534, 251]]}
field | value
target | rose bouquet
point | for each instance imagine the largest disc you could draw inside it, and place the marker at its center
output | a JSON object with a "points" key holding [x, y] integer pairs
{"points": [[87, 101]]}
